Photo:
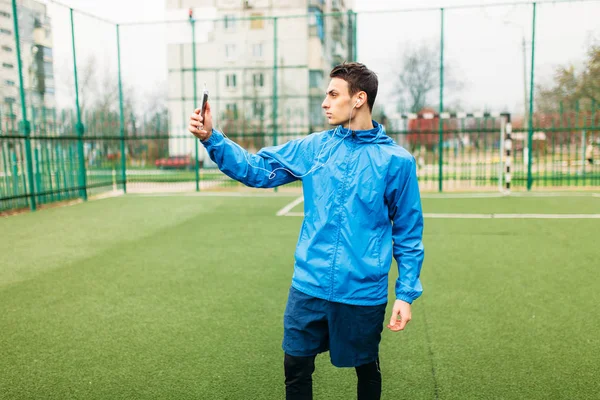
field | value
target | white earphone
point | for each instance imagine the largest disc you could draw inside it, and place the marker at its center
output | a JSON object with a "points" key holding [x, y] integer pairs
{"points": [[318, 164]]}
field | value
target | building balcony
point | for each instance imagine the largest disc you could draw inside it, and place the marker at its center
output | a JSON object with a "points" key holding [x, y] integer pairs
{"points": [[337, 5], [319, 4], [338, 50]]}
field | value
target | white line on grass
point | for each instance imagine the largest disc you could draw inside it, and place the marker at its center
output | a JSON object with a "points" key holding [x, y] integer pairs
{"points": [[462, 195], [108, 195], [100, 196], [285, 210], [66, 203], [424, 196], [514, 216], [513, 194], [488, 216], [212, 194]]}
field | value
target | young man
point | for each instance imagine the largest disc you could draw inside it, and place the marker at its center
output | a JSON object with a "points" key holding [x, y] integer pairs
{"points": [[361, 207]]}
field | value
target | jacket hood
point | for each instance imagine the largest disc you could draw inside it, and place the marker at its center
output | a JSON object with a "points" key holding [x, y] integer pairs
{"points": [[375, 135]]}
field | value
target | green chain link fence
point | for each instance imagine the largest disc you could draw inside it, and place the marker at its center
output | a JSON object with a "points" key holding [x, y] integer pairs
{"points": [[267, 83]]}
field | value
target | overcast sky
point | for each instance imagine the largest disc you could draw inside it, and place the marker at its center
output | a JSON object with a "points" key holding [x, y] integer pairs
{"points": [[483, 45]]}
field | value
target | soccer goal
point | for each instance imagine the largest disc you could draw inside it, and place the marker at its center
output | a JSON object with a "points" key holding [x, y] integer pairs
{"points": [[457, 151]]}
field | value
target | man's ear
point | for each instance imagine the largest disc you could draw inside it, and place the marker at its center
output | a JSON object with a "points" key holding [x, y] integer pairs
{"points": [[362, 99]]}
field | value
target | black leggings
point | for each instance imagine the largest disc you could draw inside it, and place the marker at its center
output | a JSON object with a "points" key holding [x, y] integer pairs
{"points": [[298, 379]]}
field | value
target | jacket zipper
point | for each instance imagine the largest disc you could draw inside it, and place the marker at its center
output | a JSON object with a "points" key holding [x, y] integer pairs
{"points": [[340, 207]]}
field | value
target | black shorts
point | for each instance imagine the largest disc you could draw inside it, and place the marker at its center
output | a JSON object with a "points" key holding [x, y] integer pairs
{"points": [[350, 333]]}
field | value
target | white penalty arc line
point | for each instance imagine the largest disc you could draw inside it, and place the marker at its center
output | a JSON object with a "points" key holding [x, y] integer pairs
{"points": [[488, 216]]}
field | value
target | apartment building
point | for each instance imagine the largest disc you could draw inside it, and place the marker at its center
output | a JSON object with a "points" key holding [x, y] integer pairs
{"points": [[235, 56], [35, 36]]}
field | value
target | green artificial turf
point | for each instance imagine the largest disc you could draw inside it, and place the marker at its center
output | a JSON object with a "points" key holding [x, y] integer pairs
{"points": [[182, 297]]}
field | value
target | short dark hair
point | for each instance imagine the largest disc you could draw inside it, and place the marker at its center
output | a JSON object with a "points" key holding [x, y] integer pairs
{"points": [[359, 78]]}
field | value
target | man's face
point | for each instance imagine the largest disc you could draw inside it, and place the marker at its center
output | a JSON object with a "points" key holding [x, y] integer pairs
{"points": [[338, 102]]}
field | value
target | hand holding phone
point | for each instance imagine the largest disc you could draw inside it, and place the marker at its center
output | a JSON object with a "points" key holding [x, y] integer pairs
{"points": [[201, 119], [204, 101]]}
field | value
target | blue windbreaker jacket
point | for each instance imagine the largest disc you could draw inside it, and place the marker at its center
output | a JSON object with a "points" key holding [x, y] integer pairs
{"points": [[361, 207]]}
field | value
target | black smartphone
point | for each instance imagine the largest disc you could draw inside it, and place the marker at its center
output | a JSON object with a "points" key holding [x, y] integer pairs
{"points": [[204, 100]]}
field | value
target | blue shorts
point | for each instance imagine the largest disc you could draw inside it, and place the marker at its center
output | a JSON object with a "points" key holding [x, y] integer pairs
{"points": [[350, 333]]}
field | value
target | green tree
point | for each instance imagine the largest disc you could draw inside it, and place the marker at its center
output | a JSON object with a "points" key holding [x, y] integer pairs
{"points": [[573, 86]]}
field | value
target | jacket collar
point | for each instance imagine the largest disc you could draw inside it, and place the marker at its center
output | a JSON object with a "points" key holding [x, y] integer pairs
{"points": [[375, 135]]}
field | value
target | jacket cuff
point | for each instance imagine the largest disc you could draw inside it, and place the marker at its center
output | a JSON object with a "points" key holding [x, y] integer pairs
{"points": [[405, 298], [214, 138]]}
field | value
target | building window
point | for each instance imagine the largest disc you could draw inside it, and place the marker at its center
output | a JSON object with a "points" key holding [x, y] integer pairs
{"points": [[7, 49], [10, 100], [7, 65], [315, 78], [257, 50], [48, 70], [4, 14], [337, 5], [8, 82], [316, 112], [337, 31], [230, 80], [259, 109], [258, 79], [231, 110], [230, 51], [229, 22], [6, 31], [315, 23], [257, 21], [47, 52]]}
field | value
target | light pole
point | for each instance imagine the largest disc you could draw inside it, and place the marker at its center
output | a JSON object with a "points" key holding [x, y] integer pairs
{"points": [[525, 97], [525, 100], [524, 48]]}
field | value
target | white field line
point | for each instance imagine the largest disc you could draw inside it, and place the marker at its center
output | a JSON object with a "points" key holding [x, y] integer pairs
{"points": [[70, 203], [424, 196], [211, 194], [489, 216], [513, 216], [100, 196], [107, 195], [286, 212], [290, 206], [514, 194]]}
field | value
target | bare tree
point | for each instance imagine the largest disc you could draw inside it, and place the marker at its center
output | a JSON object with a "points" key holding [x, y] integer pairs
{"points": [[86, 80], [419, 75]]}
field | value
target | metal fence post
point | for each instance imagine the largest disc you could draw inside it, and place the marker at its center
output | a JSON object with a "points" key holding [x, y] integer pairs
{"points": [[196, 164], [25, 127], [530, 131], [441, 122], [275, 83], [121, 116], [79, 128]]}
